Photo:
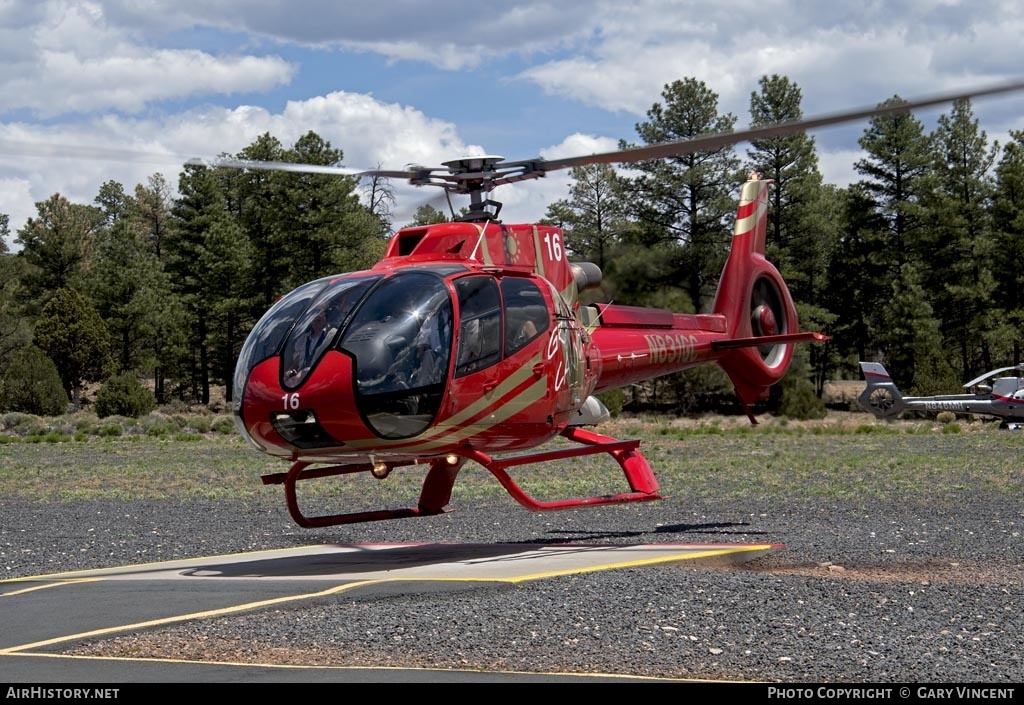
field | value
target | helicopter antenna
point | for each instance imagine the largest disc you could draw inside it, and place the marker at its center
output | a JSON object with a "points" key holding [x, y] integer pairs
{"points": [[476, 247], [451, 206]]}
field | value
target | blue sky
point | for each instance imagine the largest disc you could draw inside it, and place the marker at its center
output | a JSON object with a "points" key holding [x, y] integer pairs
{"points": [[395, 82]]}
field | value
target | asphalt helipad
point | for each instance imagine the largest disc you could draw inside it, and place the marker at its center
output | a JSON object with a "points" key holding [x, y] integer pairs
{"points": [[43, 614]]}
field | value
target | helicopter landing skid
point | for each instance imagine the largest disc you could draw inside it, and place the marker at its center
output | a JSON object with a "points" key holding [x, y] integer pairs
{"points": [[436, 493], [642, 483], [437, 486]]}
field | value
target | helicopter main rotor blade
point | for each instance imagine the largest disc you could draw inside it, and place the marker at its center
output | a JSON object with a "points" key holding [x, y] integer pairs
{"points": [[715, 141], [301, 168], [72, 151], [274, 166], [993, 373], [500, 172]]}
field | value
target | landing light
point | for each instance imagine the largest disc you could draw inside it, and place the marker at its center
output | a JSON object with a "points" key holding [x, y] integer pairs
{"points": [[380, 470], [451, 459]]}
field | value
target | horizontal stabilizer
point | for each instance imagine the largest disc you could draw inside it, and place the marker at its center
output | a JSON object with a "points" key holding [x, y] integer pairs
{"points": [[759, 340]]}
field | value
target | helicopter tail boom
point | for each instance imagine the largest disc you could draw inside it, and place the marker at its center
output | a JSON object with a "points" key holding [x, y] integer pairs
{"points": [[750, 332]]}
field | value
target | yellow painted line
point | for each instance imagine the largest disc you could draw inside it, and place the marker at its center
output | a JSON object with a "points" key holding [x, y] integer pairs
{"points": [[61, 583], [185, 617], [418, 669], [68, 576], [640, 562], [205, 614]]}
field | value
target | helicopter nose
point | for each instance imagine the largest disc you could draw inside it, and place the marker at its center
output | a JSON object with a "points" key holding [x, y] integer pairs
{"points": [[317, 415]]}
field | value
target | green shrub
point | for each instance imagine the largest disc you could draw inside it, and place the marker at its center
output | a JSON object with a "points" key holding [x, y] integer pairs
{"points": [[32, 384], [110, 430], [613, 401], [159, 429], [124, 395], [83, 422], [799, 400], [16, 420], [224, 424], [174, 406]]}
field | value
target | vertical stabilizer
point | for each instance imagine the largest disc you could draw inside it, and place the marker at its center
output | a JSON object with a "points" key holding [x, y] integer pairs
{"points": [[754, 300]]}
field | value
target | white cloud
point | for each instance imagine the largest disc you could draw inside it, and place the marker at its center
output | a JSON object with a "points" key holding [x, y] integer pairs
{"points": [[836, 166], [76, 62], [370, 133], [455, 34], [16, 201], [120, 74]]}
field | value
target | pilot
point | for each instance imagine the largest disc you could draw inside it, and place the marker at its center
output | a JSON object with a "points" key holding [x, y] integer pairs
{"points": [[421, 363], [427, 368], [310, 345]]}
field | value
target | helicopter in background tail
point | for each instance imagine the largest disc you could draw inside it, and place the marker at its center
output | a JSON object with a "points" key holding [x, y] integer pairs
{"points": [[1000, 397]]}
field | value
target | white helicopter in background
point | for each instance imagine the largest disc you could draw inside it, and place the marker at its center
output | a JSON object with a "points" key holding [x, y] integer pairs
{"points": [[1002, 398]]}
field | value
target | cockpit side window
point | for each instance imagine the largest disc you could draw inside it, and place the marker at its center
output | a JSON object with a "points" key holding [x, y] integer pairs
{"points": [[479, 324], [526, 315], [316, 328]]}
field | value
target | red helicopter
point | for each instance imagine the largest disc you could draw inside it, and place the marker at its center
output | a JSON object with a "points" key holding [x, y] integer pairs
{"points": [[468, 341]]}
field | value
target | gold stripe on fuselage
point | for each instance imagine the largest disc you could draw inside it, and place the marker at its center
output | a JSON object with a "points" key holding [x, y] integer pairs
{"points": [[461, 426]]}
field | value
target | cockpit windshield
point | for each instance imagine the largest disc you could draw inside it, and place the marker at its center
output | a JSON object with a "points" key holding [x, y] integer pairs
{"points": [[401, 339], [399, 332], [315, 330]]}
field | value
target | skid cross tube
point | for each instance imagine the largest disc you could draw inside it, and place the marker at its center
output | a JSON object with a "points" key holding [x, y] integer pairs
{"points": [[436, 492]]}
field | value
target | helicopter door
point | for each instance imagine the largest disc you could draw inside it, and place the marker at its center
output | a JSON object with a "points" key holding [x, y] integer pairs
{"points": [[479, 324], [526, 314]]}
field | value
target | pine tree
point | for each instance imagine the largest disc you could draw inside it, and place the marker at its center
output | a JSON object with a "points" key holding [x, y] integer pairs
{"points": [[1008, 257], [133, 294], [910, 338], [73, 335], [802, 227], [57, 244], [153, 211], [961, 247], [593, 218], [206, 252], [800, 236], [687, 202], [15, 330]]}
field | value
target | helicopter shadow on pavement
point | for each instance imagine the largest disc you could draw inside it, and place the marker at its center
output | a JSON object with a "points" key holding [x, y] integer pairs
{"points": [[355, 559], [713, 528]]}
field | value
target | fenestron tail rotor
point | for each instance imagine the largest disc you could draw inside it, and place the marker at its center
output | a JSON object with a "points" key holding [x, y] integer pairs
{"points": [[767, 316], [882, 401]]}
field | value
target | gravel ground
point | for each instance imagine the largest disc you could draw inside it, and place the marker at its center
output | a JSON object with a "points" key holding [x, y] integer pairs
{"points": [[929, 589]]}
